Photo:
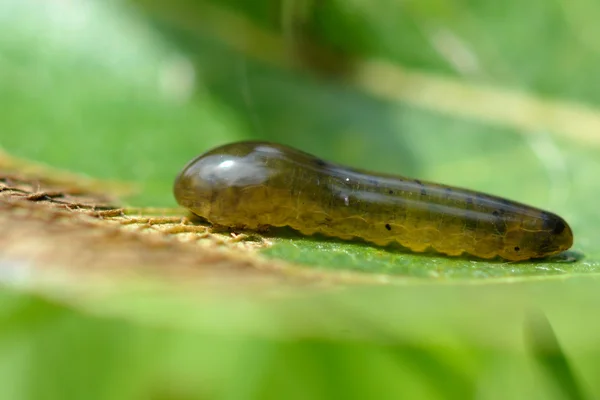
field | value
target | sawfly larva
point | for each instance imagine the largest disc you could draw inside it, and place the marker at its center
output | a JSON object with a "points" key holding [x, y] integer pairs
{"points": [[253, 185]]}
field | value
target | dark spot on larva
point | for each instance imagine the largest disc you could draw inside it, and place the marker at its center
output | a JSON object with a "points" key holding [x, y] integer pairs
{"points": [[320, 163], [559, 227], [388, 227], [553, 224], [517, 248], [448, 191], [423, 192], [548, 222], [469, 201], [496, 213], [391, 192]]}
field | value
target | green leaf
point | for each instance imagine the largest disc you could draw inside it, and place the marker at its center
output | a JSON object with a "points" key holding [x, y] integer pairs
{"points": [[499, 98]]}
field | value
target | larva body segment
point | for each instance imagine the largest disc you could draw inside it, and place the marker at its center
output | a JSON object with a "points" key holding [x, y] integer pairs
{"points": [[256, 184]]}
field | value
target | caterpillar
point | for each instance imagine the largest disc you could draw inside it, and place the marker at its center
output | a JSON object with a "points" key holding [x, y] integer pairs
{"points": [[253, 185]]}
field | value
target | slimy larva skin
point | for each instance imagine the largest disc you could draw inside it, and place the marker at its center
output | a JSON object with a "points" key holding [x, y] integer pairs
{"points": [[256, 184]]}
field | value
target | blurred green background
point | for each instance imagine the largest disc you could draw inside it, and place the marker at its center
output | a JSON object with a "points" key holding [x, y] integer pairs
{"points": [[495, 96]]}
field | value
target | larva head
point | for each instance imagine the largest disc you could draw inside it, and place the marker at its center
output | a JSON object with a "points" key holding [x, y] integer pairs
{"points": [[192, 190], [212, 184], [538, 237]]}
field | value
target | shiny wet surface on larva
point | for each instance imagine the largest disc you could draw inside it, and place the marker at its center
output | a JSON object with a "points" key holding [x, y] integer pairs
{"points": [[254, 185]]}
